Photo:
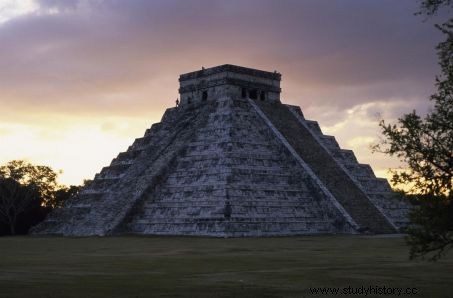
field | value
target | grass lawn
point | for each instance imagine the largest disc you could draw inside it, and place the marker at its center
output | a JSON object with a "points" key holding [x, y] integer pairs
{"points": [[206, 267]]}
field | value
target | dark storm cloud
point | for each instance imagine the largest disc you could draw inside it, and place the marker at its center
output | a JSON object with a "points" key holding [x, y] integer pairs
{"points": [[97, 55]]}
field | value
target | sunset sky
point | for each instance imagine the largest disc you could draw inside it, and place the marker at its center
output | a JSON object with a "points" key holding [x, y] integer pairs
{"points": [[80, 80]]}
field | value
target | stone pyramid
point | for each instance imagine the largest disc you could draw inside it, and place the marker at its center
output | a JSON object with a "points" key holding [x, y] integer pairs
{"points": [[230, 161]]}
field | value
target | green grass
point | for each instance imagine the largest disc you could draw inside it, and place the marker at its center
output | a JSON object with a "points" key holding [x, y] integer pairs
{"points": [[206, 267]]}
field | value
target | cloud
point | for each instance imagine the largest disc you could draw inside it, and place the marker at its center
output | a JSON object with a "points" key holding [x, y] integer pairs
{"points": [[90, 60], [59, 5], [10, 9], [98, 52]]}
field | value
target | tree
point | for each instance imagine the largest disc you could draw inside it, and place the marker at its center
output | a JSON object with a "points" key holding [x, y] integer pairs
{"points": [[431, 7], [15, 199], [43, 177], [425, 145], [27, 193]]}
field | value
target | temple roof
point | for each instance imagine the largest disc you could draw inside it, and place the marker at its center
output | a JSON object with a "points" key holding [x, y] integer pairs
{"points": [[230, 68]]}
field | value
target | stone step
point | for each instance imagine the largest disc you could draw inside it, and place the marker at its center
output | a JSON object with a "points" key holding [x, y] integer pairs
{"points": [[374, 185], [242, 187], [330, 142], [224, 143], [114, 169], [150, 132], [220, 161], [360, 170], [237, 194], [242, 180], [348, 156], [314, 126], [126, 157], [254, 155], [298, 111], [236, 170], [89, 194], [172, 215], [206, 202], [269, 203], [263, 219], [234, 229], [102, 184]]}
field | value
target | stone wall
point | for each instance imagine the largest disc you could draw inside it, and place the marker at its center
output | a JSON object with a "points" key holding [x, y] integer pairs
{"points": [[228, 81]]}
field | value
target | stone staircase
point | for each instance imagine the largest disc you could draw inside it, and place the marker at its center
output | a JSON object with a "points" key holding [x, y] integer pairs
{"points": [[377, 189], [235, 161], [339, 182]]}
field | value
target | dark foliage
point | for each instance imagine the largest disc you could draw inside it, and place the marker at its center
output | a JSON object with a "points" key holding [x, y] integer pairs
{"points": [[27, 194], [432, 236], [431, 7], [16, 200], [425, 144]]}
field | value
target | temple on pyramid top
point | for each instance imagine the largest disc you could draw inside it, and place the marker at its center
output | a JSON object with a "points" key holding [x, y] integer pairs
{"points": [[229, 80], [232, 160]]}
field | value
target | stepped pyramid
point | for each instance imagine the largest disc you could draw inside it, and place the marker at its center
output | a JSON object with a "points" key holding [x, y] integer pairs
{"points": [[230, 161]]}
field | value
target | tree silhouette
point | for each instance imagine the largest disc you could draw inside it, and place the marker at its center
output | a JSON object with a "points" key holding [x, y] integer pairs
{"points": [[27, 193], [15, 199], [425, 144]]}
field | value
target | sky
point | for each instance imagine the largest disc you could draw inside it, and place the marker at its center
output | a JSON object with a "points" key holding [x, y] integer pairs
{"points": [[81, 79]]}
